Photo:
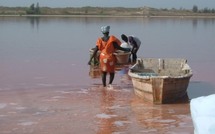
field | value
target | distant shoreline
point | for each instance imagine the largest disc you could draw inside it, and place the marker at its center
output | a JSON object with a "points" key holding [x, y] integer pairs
{"points": [[112, 16], [142, 12]]}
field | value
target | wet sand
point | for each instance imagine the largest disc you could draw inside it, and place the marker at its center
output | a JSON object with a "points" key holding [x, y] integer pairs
{"points": [[69, 110]]}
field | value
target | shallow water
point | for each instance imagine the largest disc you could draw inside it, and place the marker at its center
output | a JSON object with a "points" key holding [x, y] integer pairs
{"points": [[91, 110], [46, 85]]}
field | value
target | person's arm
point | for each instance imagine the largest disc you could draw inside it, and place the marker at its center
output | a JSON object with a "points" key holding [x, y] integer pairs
{"points": [[116, 46], [94, 54], [135, 47]]}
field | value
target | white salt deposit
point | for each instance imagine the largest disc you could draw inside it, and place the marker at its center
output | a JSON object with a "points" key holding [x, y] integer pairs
{"points": [[203, 115], [58, 97], [3, 115], [165, 121], [27, 123], [120, 123], [105, 116], [20, 108], [83, 91], [65, 92]]}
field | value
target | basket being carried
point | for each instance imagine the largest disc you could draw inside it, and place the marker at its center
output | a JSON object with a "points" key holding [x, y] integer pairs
{"points": [[122, 57]]}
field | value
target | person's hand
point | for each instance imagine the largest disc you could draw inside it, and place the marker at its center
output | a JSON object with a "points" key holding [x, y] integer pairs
{"points": [[127, 49]]}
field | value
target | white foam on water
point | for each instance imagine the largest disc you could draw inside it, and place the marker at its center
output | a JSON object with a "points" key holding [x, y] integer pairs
{"points": [[38, 113], [148, 130], [65, 92], [165, 121], [27, 123], [14, 104], [2, 105], [125, 90], [115, 107], [105, 116], [45, 85], [51, 100], [20, 108], [83, 91], [12, 112], [157, 119], [184, 124], [181, 116], [120, 123], [58, 97], [119, 133], [3, 115]]}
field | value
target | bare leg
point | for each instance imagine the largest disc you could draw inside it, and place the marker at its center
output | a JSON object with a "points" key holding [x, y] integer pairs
{"points": [[111, 78], [134, 57], [104, 78]]}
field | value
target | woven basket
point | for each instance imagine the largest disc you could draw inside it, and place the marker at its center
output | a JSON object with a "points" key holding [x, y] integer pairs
{"points": [[95, 60], [122, 57]]}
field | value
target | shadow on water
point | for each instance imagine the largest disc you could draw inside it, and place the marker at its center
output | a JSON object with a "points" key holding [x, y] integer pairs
{"points": [[197, 89]]}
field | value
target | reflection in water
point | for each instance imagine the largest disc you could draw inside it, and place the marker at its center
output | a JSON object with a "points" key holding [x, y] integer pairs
{"points": [[64, 42], [162, 118], [34, 21], [123, 73], [94, 71], [108, 116], [195, 23], [115, 116], [122, 70]]}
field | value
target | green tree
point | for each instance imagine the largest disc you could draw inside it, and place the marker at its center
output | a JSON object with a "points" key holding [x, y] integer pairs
{"points": [[195, 9], [33, 10], [206, 10], [37, 9]]}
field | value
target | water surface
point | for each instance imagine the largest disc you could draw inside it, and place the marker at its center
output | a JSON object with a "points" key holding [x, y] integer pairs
{"points": [[43, 68]]}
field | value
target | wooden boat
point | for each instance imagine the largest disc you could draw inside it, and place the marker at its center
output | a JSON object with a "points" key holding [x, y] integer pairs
{"points": [[160, 80]]}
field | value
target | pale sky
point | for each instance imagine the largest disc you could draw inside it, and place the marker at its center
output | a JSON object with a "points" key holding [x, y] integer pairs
{"points": [[187, 4]]}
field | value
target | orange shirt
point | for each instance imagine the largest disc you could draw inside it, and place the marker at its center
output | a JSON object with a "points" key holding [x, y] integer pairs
{"points": [[107, 47], [107, 59]]}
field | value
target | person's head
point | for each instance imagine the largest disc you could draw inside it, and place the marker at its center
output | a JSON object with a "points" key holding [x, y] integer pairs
{"points": [[105, 30], [124, 38], [130, 39]]}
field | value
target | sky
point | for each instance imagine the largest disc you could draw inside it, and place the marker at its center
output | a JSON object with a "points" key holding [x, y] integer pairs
{"points": [[184, 4]]}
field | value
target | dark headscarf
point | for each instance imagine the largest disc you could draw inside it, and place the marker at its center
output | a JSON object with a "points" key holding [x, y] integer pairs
{"points": [[124, 38]]}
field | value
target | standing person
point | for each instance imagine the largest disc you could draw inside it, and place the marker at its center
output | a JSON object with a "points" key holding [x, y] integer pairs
{"points": [[134, 43], [107, 45]]}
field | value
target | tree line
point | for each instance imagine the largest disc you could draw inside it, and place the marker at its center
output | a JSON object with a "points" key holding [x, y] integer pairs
{"points": [[33, 9], [205, 10], [36, 9]]}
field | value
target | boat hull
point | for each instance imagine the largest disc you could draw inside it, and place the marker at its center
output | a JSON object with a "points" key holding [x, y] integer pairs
{"points": [[161, 90], [160, 80]]}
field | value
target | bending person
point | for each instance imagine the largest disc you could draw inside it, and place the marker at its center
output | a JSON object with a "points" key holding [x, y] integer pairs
{"points": [[134, 42]]}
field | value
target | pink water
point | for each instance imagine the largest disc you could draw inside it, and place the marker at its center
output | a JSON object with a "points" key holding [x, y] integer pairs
{"points": [[47, 87]]}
